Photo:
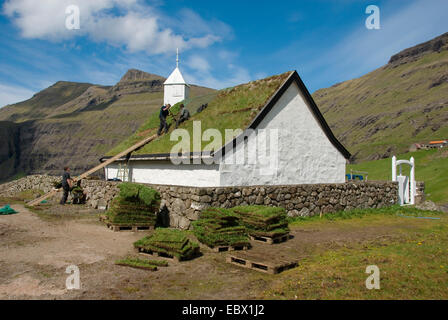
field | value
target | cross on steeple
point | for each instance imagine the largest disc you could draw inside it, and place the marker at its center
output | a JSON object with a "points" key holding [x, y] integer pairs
{"points": [[177, 58]]}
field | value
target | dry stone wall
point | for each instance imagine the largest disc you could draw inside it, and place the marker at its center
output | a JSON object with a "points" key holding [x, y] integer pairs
{"points": [[184, 204]]}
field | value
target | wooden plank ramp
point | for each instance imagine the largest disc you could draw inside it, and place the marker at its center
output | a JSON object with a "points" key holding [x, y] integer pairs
{"points": [[270, 240], [98, 167], [263, 262]]}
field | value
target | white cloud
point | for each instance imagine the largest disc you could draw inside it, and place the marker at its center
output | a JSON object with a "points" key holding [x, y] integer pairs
{"points": [[134, 24], [10, 94], [198, 63]]}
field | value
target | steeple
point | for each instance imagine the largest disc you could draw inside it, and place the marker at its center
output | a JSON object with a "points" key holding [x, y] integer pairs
{"points": [[176, 89]]}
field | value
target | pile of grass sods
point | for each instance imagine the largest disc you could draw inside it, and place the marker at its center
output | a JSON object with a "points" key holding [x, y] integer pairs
{"points": [[135, 205], [262, 221], [169, 242], [220, 227]]}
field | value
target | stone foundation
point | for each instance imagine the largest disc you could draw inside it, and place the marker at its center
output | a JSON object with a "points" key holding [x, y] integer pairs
{"points": [[184, 204]]}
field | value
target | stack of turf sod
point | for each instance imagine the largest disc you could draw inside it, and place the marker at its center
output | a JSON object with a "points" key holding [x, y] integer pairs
{"points": [[169, 243], [136, 205], [262, 221], [219, 227]]}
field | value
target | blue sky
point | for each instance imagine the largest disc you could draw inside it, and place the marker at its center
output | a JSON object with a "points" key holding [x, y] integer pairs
{"points": [[222, 43]]}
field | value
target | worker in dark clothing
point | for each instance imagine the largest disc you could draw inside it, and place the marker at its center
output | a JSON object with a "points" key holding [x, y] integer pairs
{"points": [[184, 115], [67, 183], [164, 112]]}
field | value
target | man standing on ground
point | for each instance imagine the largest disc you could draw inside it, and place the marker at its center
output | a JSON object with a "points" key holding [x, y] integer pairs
{"points": [[164, 112], [184, 115], [66, 184]]}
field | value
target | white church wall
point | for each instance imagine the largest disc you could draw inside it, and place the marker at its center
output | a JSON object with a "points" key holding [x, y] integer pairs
{"points": [[166, 173], [305, 154]]}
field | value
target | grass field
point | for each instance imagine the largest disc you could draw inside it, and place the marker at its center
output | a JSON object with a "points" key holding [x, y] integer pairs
{"points": [[431, 166], [413, 259]]}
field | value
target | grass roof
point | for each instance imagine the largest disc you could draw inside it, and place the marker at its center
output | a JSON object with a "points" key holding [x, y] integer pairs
{"points": [[231, 108]]}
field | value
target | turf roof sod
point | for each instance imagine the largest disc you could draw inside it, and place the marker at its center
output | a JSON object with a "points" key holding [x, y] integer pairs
{"points": [[135, 205], [231, 108], [262, 221], [141, 264], [220, 227], [172, 242]]}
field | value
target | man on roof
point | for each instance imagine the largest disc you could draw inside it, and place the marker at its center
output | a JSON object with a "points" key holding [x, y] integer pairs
{"points": [[184, 115], [164, 112]]}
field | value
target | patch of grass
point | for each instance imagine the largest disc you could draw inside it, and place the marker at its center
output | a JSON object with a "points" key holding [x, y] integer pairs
{"points": [[363, 213], [431, 166], [21, 197], [413, 265]]}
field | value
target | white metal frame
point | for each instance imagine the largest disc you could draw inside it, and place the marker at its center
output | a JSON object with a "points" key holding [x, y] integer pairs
{"points": [[411, 163]]}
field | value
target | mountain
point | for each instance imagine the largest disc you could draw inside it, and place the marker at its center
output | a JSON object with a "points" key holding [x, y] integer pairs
{"points": [[385, 111], [74, 124]]}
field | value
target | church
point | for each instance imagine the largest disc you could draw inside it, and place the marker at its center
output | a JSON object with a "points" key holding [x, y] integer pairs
{"points": [[276, 115]]}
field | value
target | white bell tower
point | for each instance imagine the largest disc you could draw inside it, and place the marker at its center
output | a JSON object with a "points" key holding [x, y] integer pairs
{"points": [[175, 87]]}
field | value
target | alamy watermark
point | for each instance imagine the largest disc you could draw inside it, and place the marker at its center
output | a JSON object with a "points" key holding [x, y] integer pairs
{"points": [[254, 148], [73, 281], [373, 281], [373, 20], [72, 20]]}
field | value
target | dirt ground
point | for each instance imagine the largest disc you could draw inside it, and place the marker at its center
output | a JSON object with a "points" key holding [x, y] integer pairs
{"points": [[37, 247]]}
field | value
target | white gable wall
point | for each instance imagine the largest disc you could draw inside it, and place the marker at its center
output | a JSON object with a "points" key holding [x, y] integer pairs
{"points": [[306, 155]]}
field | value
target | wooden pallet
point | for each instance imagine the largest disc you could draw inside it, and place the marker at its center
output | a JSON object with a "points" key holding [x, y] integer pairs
{"points": [[230, 248], [133, 228], [271, 240], [260, 262], [156, 254], [123, 227]]}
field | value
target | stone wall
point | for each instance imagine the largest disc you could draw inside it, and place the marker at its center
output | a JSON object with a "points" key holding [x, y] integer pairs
{"points": [[419, 192], [99, 192], [184, 204]]}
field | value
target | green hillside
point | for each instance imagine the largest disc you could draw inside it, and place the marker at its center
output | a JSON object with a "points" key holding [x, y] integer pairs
{"points": [[387, 110], [43, 103], [232, 108], [431, 166]]}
